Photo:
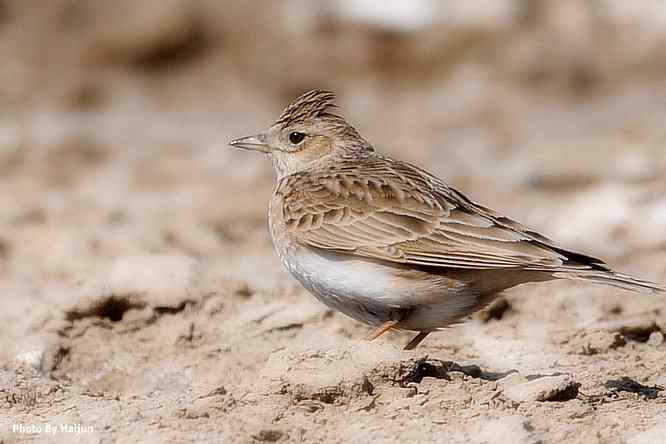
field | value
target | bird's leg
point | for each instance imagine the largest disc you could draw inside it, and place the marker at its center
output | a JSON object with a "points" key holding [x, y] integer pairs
{"points": [[378, 331], [417, 340]]}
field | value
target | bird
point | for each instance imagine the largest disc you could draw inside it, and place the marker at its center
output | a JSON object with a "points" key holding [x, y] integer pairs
{"points": [[388, 243]]}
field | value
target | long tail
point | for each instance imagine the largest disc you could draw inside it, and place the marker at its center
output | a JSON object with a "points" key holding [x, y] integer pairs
{"points": [[614, 279]]}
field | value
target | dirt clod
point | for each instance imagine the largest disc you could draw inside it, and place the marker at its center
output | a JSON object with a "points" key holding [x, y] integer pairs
{"points": [[546, 388]]}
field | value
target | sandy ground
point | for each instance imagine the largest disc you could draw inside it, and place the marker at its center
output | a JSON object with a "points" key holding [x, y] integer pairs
{"points": [[143, 302]]}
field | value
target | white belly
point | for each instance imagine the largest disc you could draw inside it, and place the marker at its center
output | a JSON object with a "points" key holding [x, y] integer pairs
{"points": [[365, 290], [360, 279]]}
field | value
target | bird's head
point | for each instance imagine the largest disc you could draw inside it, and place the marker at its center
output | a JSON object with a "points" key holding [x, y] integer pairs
{"points": [[307, 132]]}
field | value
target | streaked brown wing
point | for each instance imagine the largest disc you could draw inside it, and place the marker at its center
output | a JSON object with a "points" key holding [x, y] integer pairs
{"points": [[393, 211]]}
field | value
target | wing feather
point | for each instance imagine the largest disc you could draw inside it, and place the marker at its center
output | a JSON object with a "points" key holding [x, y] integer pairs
{"points": [[383, 209]]}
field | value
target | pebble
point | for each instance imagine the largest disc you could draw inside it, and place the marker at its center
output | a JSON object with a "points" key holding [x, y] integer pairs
{"points": [[656, 339], [32, 358], [547, 388]]}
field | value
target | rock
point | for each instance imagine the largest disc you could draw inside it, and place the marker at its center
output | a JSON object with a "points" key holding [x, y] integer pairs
{"points": [[32, 358], [327, 375], [656, 339], [547, 388], [42, 353], [405, 372]]}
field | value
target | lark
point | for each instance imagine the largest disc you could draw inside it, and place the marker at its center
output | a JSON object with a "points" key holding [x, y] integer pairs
{"points": [[389, 244]]}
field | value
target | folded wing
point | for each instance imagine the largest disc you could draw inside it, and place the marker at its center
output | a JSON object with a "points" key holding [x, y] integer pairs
{"points": [[398, 213]]}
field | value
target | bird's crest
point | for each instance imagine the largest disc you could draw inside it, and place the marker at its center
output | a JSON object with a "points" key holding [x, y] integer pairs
{"points": [[311, 105]]}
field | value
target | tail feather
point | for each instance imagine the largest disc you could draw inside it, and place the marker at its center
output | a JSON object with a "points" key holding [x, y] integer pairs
{"points": [[614, 279]]}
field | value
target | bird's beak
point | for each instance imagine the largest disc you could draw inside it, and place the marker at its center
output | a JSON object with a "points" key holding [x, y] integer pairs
{"points": [[252, 143]]}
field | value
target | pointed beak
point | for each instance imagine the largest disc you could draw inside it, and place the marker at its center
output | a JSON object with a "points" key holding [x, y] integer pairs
{"points": [[252, 143]]}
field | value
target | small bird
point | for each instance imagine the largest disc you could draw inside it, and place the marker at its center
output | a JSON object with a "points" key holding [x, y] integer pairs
{"points": [[389, 244]]}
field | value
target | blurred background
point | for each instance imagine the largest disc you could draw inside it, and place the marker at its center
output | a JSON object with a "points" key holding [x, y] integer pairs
{"points": [[115, 118]]}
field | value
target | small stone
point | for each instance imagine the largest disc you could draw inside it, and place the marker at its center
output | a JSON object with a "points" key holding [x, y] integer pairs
{"points": [[33, 358], [330, 375], [656, 339], [547, 388]]}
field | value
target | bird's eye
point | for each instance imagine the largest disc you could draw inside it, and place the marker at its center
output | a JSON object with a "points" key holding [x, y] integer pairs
{"points": [[296, 137]]}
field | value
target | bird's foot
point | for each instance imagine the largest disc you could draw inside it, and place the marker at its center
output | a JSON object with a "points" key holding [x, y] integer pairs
{"points": [[378, 331], [416, 341]]}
